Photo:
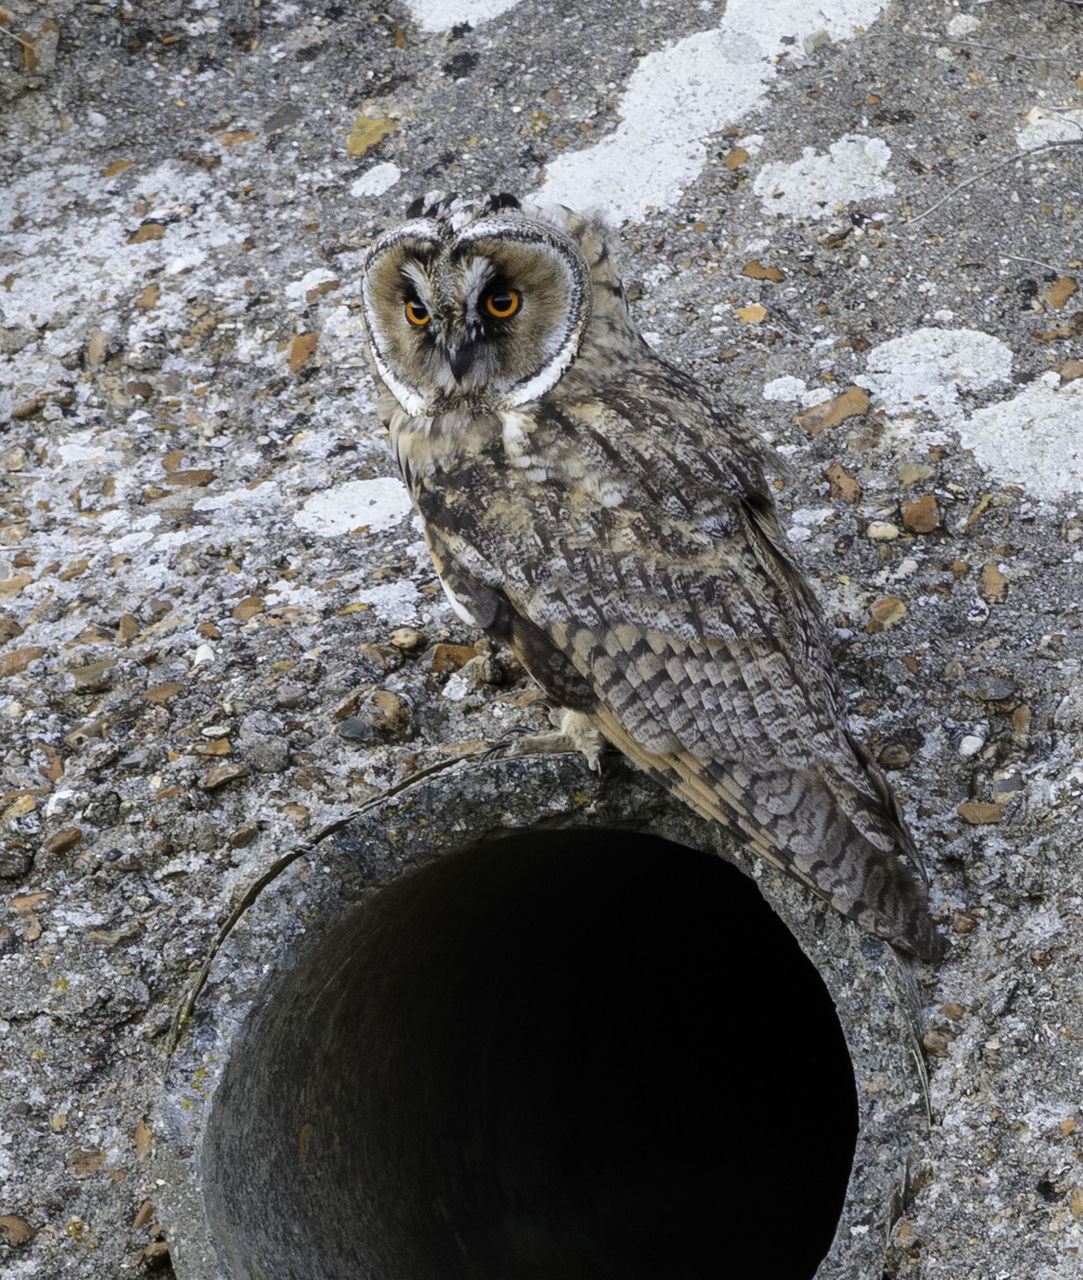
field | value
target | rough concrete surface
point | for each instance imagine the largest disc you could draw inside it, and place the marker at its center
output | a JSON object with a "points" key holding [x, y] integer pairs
{"points": [[858, 221]]}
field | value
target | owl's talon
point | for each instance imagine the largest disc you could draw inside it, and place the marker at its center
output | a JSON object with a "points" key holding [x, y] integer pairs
{"points": [[507, 740], [524, 741], [575, 736]]}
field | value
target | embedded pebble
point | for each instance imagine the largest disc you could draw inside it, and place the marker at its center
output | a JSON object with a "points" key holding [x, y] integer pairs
{"points": [[979, 812], [450, 657], [224, 773], [354, 729], [291, 695], [405, 638], [378, 713], [911, 473], [63, 840], [885, 613], [922, 515], [263, 743]]}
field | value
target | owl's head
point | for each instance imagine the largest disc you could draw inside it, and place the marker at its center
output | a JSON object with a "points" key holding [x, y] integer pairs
{"points": [[483, 300]]}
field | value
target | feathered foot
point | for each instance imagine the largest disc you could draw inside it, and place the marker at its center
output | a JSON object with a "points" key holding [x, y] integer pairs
{"points": [[575, 731]]}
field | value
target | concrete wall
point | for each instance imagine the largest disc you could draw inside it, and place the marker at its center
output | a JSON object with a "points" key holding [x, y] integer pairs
{"points": [[219, 632]]}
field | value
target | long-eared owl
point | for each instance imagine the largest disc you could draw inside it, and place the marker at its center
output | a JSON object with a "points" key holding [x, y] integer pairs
{"points": [[588, 505]]}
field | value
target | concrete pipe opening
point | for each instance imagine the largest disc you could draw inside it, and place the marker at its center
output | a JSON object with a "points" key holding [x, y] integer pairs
{"points": [[557, 1055]]}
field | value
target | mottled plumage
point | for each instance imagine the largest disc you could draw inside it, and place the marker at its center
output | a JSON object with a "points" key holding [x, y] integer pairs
{"points": [[586, 504]]}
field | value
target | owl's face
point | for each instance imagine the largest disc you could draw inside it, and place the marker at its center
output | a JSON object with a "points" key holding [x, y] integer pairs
{"points": [[480, 301]]}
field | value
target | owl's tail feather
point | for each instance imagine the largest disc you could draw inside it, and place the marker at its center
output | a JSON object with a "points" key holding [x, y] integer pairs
{"points": [[847, 845]]}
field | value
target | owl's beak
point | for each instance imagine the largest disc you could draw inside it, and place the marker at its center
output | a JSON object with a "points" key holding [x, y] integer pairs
{"points": [[460, 356]]}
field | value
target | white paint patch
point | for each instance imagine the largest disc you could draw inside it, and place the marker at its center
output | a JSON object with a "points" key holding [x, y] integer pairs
{"points": [[310, 280], [377, 504], [928, 368], [851, 171], [1041, 125], [805, 519], [375, 181], [441, 15], [774, 23], [392, 601], [83, 448], [188, 261], [785, 388], [344, 330], [1034, 440], [131, 541], [897, 572], [816, 395], [789, 389], [284, 592], [263, 492], [695, 87], [679, 95], [457, 687]]}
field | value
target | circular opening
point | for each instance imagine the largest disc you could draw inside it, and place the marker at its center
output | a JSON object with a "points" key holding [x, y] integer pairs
{"points": [[561, 1055]]}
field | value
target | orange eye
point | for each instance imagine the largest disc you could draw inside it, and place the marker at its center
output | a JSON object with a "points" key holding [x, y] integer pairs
{"points": [[502, 304], [417, 314]]}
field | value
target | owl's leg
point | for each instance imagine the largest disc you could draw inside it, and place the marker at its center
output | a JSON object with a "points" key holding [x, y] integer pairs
{"points": [[582, 733], [575, 731]]}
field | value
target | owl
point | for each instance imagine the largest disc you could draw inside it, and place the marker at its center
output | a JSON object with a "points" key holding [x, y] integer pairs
{"points": [[586, 504]]}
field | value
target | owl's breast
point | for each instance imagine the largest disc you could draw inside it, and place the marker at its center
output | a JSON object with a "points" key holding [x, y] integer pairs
{"points": [[543, 449], [567, 476], [433, 451]]}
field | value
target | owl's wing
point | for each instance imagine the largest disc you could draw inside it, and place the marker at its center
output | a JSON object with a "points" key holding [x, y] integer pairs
{"points": [[656, 595]]}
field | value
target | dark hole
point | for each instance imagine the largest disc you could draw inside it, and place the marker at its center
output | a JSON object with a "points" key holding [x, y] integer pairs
{"points": [[562, 1056]]}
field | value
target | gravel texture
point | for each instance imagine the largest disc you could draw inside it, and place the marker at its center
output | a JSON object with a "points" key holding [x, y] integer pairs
{"points": [[219, 631]]}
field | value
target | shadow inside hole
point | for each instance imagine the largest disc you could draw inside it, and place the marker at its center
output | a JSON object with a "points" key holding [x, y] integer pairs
{"points": [[565, 1055]]}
